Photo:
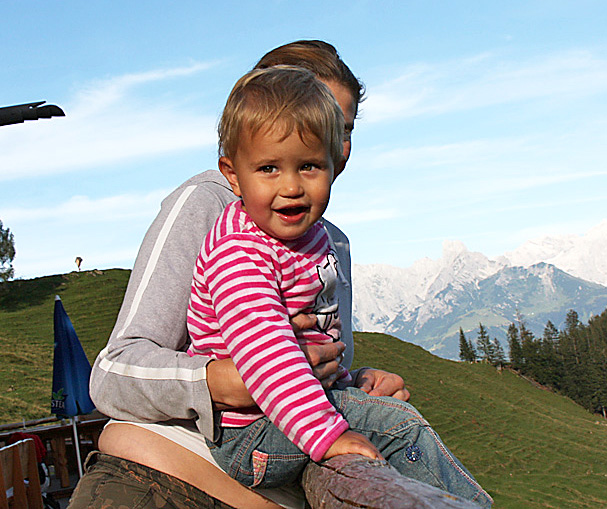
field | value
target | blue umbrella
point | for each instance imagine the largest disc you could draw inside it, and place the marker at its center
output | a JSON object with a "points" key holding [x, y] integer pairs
{"points": [[71, 373]]}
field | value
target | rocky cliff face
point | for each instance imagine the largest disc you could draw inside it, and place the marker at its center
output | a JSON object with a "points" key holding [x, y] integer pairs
{"points": [[428, 302]]}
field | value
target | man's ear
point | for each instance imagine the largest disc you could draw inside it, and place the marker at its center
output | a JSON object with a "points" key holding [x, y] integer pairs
{"points": [[227, 170], [338, 169]]}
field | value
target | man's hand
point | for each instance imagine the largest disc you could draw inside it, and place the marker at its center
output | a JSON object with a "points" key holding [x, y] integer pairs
{"points": [[226, 388], [353, 443], [377, 382], [324, 359]]}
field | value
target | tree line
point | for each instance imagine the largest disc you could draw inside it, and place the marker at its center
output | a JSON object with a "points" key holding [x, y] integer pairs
{"points": [[572, 361], [7, 253]]}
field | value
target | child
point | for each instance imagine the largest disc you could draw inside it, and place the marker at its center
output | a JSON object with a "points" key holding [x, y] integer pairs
{"points": [[267, 259]]}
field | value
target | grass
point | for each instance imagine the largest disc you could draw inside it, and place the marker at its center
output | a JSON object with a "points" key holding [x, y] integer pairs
{"points": [[530, 448], [92, 300]]}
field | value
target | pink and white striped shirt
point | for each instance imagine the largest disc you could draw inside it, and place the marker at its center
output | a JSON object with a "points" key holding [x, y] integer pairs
{"points": [[246, 287]]}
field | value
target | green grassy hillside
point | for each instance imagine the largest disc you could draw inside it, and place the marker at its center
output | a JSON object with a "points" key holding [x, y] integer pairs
{"points": [[92, 300], [529, 447]]}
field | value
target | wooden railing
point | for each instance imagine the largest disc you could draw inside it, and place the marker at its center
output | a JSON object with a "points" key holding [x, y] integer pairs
{"points": [[58, 437], [348, 481], [19, 481], [352, 481]]}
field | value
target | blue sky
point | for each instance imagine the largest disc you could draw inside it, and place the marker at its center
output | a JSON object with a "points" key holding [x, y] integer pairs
{"points": [[484, 121]]}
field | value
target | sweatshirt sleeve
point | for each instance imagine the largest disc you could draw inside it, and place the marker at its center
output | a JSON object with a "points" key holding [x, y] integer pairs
{"points": [[144, 373], [242, 274], [341, 245]]}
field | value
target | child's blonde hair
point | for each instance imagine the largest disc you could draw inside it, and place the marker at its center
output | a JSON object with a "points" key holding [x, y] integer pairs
{"points": [[285, 97]]}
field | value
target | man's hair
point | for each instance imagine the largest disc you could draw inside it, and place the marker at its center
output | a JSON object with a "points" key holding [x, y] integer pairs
{"points": [[286, 98], [319, 57]]}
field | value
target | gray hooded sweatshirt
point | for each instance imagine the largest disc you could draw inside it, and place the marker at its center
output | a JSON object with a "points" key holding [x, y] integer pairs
{"points": [[144, 373]]}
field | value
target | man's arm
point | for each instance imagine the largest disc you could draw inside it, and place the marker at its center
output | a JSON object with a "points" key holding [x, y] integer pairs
{"points": [[144, 374], [373, 381]]}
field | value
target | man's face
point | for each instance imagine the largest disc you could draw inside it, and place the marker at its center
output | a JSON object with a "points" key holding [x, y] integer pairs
{"points": [[348, 107], [285, 183]]}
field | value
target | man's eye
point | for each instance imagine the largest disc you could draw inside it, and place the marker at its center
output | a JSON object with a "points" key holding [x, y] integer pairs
{"points": [[347, 135]]}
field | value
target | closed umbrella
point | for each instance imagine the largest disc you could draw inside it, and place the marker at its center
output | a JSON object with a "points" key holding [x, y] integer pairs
{"points": [[71, 374]]}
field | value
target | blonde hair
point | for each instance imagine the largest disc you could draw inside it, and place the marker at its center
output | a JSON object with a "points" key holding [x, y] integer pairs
{"points": [[282, 97]]}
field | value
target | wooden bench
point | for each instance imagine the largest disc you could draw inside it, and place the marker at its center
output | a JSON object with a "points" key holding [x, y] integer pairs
{"points": [[19, 482], [56, 436]]}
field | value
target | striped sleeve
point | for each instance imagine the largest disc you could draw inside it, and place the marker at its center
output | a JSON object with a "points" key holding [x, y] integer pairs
{"points": [[242, 275]]}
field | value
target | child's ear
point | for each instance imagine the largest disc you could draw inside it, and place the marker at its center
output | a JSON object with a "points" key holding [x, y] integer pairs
{"points": [[227, 170]]}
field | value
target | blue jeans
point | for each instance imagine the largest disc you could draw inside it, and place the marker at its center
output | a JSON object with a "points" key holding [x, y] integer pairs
{"points": [[260, 455]]}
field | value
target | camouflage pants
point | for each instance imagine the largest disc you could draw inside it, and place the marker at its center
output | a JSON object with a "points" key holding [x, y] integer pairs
{"points": [[111, 482]]}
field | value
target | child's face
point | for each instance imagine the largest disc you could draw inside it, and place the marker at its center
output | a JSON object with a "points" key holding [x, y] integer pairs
{"points": [[284, 183]]}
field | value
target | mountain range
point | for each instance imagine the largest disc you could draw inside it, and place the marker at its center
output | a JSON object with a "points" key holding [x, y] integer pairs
{"points": [[428, 302]]}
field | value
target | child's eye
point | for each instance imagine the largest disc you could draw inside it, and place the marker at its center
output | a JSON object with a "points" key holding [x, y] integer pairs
{"points": [[267, 169], [309, 167]]}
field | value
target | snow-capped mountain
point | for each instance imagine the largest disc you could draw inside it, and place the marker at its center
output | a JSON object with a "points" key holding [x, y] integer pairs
{"points": [[428, 302], [581, 256]]}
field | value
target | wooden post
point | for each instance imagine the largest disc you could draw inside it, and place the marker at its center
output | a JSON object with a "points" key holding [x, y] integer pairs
{"points": [[60, 456], [3, 498], [19, 494], [18, 463], [356, 481], [34, 493]]}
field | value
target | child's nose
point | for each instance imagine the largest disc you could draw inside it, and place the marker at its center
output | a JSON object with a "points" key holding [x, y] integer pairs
{"points": [[291, 185]]}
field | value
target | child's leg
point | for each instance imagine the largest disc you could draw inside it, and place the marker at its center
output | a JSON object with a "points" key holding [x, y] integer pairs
{"points": [[407, 442], [259, 455]]}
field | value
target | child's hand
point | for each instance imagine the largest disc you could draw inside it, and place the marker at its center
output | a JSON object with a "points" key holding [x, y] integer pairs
{"points": [[353, 443]]}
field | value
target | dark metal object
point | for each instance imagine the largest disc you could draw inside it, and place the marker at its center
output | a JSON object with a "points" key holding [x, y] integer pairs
{"points": [[30, 111]]}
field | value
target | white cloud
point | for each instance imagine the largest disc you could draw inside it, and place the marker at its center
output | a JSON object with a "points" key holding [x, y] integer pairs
{"points": [[481, 166], [99, 94], [86, 210], [485, 80], [107, 121], [105, 231], [449, 154]]}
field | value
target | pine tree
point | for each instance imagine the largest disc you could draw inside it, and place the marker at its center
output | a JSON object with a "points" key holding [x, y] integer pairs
{"points": [[499, 357], [597, 332], [466, 349], [464, 352], [584, 354], [548, 355], [483, 343], [7, 253], [529, 348], [514, 344], [472, 349], [573, 361], [572, 333]]}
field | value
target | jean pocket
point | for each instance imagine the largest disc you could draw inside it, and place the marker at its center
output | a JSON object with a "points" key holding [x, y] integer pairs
{"points": [[260, 465]]}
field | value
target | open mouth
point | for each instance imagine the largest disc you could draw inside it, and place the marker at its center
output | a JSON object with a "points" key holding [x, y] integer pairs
{"points": [[292, 211], [292, 214]]}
